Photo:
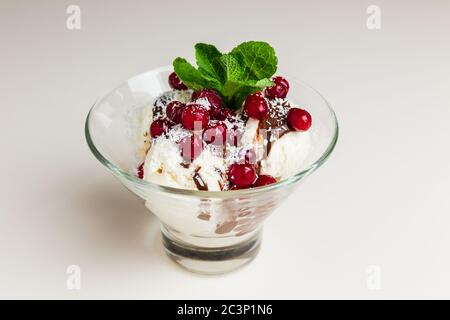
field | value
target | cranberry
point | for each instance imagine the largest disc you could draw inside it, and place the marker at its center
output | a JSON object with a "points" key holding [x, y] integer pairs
{"points": [[213, 98], [299, 119], [282, 81], [194, 116], [256, 107], [175, 82], [174, 110], [224, 114], [264, 180], [191, 147], [280, 88], [216, 134], [159, 127], [140, 171], [248, 156], [242, 175]]}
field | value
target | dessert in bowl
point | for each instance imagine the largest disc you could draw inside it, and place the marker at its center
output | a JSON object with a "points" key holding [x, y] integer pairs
{"points": [[214, 150]]}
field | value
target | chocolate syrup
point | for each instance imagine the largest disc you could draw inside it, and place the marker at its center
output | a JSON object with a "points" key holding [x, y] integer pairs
{"points": [[159, 107], [222, 178], [274, 125], [199, 183], [204, 216]]}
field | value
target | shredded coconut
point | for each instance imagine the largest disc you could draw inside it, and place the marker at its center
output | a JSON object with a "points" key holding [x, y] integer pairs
{"points": [[279, 107], [204, 103], [177, 133]]}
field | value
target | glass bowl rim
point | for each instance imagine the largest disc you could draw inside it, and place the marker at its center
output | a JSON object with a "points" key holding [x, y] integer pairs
{"points": [[198, 193]]}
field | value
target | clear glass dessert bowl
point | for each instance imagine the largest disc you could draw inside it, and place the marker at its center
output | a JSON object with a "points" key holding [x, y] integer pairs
{"points": [[209, 232]]}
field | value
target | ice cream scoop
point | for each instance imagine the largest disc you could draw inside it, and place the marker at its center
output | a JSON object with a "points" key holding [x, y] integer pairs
{"points": [[279, 149]]}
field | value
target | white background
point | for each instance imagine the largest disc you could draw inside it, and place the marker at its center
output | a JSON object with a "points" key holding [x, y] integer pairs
{"points": [[382, 198]]}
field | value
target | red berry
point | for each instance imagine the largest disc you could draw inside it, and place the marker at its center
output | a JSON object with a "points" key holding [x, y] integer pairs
{"points": [[213, 98], [174, 110], [256, 107], [215, 133], [282, 81], [194, 116], [299, 119], [191, 147], [140, 171], [280, 88], [248, 156], [224, 114], [159, 127], [175, 82], [264, 180], [242, 175]]}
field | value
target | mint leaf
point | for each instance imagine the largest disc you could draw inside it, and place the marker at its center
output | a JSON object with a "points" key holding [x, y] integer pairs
{"points": [[190, 76], [236, 91], [193, 78], [263, 83], [207, 57], [231, 66], [245, 70], [259, 59]]}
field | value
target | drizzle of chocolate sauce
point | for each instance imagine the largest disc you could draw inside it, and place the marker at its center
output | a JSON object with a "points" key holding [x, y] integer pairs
{"points": [[274, 125], [199, 183], [157, 112], [160, 104], [222, 177], [204, 215]]}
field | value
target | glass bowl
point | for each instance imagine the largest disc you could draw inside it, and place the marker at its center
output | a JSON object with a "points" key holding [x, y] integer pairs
{"points": [[209, 232]]}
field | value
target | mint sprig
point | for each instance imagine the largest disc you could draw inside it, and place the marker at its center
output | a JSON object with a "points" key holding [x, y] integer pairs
{"points": [[245, 70]]}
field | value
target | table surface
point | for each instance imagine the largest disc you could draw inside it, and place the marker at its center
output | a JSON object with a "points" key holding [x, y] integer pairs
{"points": [[373, 222]]}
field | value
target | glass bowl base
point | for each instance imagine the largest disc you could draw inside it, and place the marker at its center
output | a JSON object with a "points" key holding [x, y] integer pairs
{"points": [[211, 260]]}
